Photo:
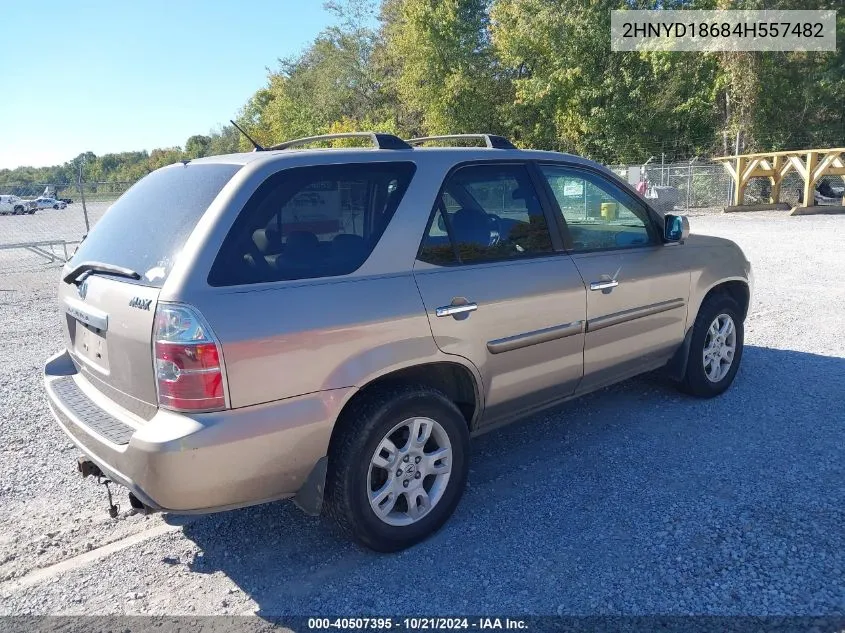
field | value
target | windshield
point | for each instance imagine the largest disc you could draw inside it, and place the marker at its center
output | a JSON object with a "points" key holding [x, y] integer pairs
{"points": [[146, 228]]}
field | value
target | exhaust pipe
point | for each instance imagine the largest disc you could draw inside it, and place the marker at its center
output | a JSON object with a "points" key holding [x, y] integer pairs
{"points": [[138, 506]]}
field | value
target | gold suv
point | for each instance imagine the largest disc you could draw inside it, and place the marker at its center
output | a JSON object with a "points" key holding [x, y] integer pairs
{"points": [[334, 325]]}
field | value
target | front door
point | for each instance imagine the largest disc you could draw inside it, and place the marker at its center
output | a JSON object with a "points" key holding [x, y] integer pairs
{"points": [[637, 288], [499, 290]]}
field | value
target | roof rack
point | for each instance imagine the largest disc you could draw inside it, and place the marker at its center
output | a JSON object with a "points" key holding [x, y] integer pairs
{"points": [[490, 140], [380, 141]]}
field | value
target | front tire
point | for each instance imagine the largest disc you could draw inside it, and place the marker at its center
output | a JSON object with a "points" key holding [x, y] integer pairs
{"points": [[715, 348], [397, 466]]}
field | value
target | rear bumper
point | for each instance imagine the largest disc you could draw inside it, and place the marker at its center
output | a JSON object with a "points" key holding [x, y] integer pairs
{"points": [[199, 463]]}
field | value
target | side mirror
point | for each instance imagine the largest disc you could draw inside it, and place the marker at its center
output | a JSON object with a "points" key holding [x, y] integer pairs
{"points": [[675, 228]]}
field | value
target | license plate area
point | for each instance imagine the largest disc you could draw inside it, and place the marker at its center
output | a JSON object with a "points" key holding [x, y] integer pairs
{"points": [[90, 346]]}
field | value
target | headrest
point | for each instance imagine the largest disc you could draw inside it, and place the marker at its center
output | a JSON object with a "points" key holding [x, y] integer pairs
{"points": [[467, 217], [347, 239], [301, 239]]}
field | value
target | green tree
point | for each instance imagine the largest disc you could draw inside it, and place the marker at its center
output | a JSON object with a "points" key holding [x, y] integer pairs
{"points": [[333, 80], [445, 70], [225, 140], [197, 146], [574, 94]]}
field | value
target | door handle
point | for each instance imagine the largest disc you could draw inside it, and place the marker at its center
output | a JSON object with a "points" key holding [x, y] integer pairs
{"points": [[603, 285], [452, 310]]}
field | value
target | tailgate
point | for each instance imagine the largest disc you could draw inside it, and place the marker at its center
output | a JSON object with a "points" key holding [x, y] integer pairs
{"points": [[108, 327], [108, 319]]}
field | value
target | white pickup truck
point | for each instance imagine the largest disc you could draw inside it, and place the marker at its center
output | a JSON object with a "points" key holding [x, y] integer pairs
{"points": [[13, 205]]}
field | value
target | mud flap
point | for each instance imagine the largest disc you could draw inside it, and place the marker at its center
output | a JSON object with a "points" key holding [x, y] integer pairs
{"points": [[677, 365], [309, 499]]}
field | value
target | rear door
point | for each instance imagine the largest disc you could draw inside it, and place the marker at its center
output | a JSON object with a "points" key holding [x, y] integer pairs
{"points": [[499, 291], [637, 288], [108, 319]]}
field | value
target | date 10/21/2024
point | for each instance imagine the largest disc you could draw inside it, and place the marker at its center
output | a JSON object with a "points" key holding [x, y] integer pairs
{"points": [[418, 623]]}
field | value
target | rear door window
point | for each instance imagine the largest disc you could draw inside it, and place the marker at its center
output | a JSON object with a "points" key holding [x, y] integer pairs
{"points": [[309, 222], [146, 228]]}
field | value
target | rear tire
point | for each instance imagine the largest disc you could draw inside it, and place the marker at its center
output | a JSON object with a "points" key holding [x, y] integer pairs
{"points": [[386, 489], [715, 348]]}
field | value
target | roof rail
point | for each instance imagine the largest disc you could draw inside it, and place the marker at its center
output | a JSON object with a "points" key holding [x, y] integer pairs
{"points": [[380, 141], [490, 140]]}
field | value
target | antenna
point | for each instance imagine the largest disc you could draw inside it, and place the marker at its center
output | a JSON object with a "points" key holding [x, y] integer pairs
{"points": [[258, 147]]}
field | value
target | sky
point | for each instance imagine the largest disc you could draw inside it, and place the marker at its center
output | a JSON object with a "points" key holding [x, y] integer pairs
{"points": [[119, 76]]}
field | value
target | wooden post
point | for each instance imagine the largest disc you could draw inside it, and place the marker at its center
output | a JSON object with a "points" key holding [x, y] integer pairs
{"points": [[774, 196], [810, 179], [839, 168], [739, 186], [733, 192]]}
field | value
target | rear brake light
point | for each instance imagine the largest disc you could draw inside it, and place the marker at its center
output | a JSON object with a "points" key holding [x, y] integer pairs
{"points": [[188, 363]]}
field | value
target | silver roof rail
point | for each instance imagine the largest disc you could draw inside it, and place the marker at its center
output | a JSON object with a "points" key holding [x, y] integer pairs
{"points": [[490, 140], [380, 141]]}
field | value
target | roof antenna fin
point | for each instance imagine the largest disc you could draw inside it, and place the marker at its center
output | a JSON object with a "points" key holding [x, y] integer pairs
{"points": [[258, 147]]}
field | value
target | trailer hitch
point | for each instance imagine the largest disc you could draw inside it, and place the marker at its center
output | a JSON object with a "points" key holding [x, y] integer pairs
{"points": [[113, 507], [89, 468]]}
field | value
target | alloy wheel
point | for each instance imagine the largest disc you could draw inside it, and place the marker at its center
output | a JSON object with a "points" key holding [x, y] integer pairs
{"points": [[719, 348], [409, 471]]}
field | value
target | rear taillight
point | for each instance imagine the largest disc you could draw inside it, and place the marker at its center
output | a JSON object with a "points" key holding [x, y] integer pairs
{"points": [[188, 363]]}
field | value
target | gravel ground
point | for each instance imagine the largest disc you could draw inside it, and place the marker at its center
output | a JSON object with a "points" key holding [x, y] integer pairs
{"points": [[632, 500]]}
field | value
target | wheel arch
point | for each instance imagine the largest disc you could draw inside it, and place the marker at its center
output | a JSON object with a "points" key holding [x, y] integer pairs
{"points": [[735, 288], [457, 380]]}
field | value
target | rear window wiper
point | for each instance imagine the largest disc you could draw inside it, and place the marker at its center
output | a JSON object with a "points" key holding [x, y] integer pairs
{"points": [[81, 272]]}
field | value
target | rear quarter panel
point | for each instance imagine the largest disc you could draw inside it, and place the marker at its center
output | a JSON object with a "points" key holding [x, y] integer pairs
{"points": [[326, 334]]}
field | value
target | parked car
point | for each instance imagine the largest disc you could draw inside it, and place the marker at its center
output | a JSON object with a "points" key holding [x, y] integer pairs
{"points": [[825, 194], [12, 205], [49, 203], [230, 340]]}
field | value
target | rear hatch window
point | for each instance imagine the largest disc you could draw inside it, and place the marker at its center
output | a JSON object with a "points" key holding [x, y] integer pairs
{"points": [[147, 227], [109, 319]]}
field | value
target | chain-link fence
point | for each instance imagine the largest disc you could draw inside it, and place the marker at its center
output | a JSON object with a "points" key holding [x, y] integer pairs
{"points": [[697, 187], [49, 219]]}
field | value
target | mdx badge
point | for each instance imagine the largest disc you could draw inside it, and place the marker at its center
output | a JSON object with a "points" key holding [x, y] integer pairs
{"points": [[141, 304]]}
